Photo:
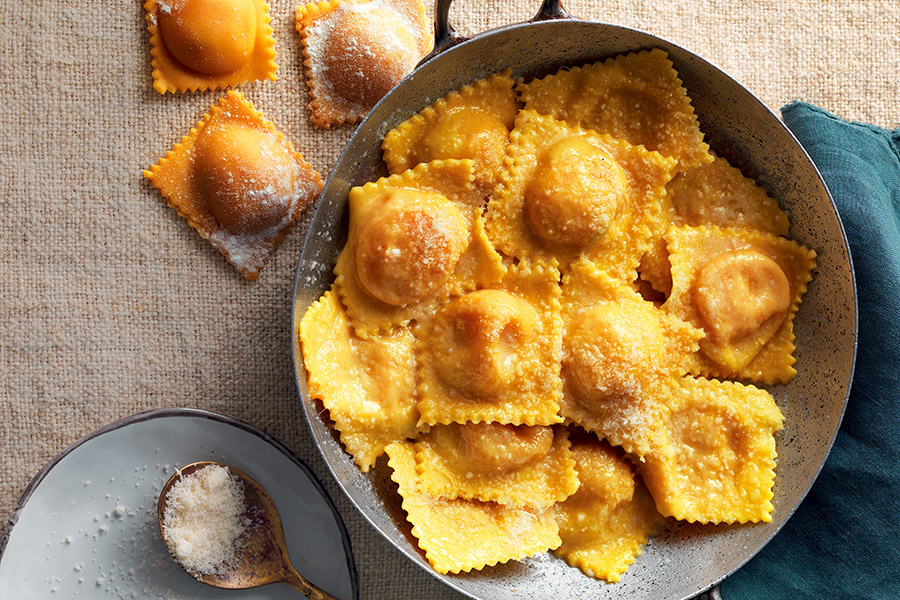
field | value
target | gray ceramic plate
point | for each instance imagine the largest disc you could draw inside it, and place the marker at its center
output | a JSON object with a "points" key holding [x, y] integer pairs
{"points": [[86, 525], [686, 559]]}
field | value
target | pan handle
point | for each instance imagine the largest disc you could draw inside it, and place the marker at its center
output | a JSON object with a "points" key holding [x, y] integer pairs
{"points": [[446, 36]]}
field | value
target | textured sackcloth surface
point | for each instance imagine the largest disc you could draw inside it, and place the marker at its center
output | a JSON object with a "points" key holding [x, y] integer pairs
{"points": [[110, 304]]}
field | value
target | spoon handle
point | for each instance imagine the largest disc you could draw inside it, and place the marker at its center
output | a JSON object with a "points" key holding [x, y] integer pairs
{"points": [[300, 583]]}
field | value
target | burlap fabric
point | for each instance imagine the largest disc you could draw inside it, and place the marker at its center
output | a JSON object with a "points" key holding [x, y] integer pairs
{"points": [[110, 304]]}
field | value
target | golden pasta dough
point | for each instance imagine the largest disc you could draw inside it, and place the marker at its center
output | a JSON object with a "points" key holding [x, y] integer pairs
{"points": [[414, 239], [606, 523], [620, 354], [636, 97], [199, 45], [494, 354], [517, 465], [569, 192], [355, 51], [743, 288], [367, 386], [473, 123], [460, 535], [716, 462], [238, 182]]}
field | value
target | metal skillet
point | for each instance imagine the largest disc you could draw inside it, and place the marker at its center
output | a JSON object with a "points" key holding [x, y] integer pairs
{"points": [[684, 560]]}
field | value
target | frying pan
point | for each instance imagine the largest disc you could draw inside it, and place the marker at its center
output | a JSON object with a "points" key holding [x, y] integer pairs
{"points": [[685, 559]]}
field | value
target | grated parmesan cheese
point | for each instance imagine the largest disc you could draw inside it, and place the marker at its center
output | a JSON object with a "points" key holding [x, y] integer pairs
{"points": [[203, 519]]}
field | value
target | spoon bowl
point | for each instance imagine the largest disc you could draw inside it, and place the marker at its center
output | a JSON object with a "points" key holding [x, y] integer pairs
{"points": [[261, 557]]}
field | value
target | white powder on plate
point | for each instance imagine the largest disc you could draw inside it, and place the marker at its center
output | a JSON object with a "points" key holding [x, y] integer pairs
{"points": [[203, 519]]}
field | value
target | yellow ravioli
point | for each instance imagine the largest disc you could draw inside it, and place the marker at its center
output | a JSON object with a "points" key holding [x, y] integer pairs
{"points": [[367, 386], [569, 192], [473, 122], [238, 182], [606, 523], [517, 465], [619, 354], [199, 45], [713, 194], [355, 51], [637, 97], [414, 239], [743, 288], [494, 354], [717, 460], [461, 535]]}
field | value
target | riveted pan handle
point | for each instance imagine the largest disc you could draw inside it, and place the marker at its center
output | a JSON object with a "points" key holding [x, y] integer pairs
{"points": [[445, 36]]}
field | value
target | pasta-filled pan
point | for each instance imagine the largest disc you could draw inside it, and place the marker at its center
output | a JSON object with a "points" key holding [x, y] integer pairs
{"points": [[801, 384]]}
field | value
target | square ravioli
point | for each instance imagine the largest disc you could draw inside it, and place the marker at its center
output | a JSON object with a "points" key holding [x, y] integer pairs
{"points": [[637, 97], [461, 535], [493, 354], [743, 288], [516, 465], [620, 353], [717, 460], [199, 45], [414, 239], [473, 122], [717, 194], [355, 51], [570, 192], [367, 386], [238, 182], [606, 523]]}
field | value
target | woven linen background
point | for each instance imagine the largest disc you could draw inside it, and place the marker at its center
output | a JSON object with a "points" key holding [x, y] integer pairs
{"points": [[111, 305]]}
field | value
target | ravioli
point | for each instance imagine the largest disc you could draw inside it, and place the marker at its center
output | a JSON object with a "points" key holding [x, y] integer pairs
{"points": [[606, 523], [493, 354], [636, 97], [620, 354], [473, 122], [367, 386], [716, 194], [460, 535], [516, 465], [716, 463], [199, 45], [238, 182], [569, 193], [355, 51], [743, 288], [414, 239]]}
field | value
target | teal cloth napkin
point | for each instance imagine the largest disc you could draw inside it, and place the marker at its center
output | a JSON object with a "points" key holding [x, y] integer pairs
{"points": [[844, 539]]}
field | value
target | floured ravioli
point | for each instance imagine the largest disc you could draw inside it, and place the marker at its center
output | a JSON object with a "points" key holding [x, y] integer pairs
{"points": [[743, 288], [238, 182], [716, 463], [517, 465], [717, 194], [606, 523], [200, 45], [620, 354], [414, 239], [367, 386], [461, 535], [637, 97], [493, 354], [355, 51], [569, 192], [473, 123]]}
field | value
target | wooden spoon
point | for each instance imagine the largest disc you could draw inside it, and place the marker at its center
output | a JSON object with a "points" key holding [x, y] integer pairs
{"points": [[262, 556]]}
